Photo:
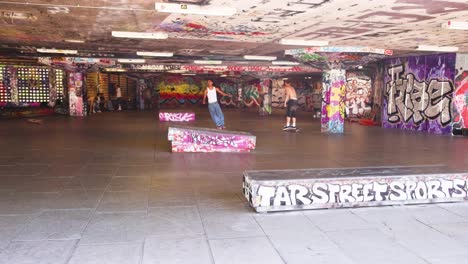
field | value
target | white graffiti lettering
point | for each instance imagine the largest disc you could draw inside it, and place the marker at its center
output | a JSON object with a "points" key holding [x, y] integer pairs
{"points": [[180, 117], [408, 98], [323, 193]]}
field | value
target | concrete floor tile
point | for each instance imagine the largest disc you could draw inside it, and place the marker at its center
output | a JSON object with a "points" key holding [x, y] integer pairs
{"points": [[220, 224], [427, 242], [132, 184], [136, 170], [89, 182], [10, 227], [336, 220], [177, 220], [460, 209], [76, 199], [373, 246], [107, 254], [43, 252], [312, 255], [160, 197], [244, 250], [106, 228], [55, 225], [180, 249], [123, 202]]}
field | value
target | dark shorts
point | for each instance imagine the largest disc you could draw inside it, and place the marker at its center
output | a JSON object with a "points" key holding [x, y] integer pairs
{"points": [[291, 108]]}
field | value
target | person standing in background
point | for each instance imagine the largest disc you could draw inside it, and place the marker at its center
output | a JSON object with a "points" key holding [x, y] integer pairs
{"points": [[291, 106], [118, 93]]}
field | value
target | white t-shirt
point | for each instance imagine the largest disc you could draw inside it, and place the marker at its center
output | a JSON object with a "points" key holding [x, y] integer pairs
{"points": [[212, 98], [119, 92]]}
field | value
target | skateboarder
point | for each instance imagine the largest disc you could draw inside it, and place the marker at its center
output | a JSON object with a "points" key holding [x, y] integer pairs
{"points": [[213, 106], [291, 106]]}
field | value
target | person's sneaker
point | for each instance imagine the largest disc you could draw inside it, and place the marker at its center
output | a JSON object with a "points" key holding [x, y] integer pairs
{"points": [[219, 127], [286, 127]]}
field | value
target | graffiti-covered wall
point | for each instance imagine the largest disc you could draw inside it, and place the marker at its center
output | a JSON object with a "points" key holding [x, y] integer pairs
{"points": [[358, 94], [333, 106], [460, 96], [177, 90], [418, 93], [307, 90], [230, 87]]}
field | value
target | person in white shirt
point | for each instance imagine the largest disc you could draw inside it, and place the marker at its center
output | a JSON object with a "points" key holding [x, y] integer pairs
{"points": [[119, 96], [213, 105]]}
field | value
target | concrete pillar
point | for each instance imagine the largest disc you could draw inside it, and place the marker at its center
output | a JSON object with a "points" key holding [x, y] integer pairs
{"points": [[141, 86], [75, 93], [52, 87], [333, 101], [265, 93], [14, 84]]}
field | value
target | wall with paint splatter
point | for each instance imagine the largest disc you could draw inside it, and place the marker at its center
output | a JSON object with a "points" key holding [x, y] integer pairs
{"points": [[177, 90], [358, 94], [460, 96], [419, 93], [308, 92], [333, 106]]}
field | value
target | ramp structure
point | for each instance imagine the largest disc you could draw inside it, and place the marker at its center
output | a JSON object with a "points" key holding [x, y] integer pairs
{"points": [[197, 139], [280, 190]]}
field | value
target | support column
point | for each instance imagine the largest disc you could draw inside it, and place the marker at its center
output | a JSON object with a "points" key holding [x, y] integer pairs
{"points": [[75, 93], [52, 87], [14, 85], [140, 88], [333, 101], [265, 107]]}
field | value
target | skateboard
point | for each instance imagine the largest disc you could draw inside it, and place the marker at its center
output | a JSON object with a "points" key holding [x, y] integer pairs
{"points": [[297, 130]]}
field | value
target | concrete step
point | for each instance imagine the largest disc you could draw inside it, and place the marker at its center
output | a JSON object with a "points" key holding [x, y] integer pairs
{"points": [[281, 190]]}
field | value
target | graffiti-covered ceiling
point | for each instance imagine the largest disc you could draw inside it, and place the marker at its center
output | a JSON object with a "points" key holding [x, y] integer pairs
{"points": [[256, 28]]}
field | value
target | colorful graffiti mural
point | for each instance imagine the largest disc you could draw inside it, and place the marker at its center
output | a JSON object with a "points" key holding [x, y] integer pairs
{"points": [[278, 93], [251, 94], [230, 87], [75, 92], [307, 97], [333, 105], [179, 90], [358, 94], [181, 27], [460, 96], [418, 93]]}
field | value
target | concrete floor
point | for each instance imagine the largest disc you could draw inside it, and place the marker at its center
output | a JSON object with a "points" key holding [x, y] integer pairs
{"points": [[105, 189]]}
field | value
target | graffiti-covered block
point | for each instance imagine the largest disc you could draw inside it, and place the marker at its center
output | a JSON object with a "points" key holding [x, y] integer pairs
{"points": [[183, 147], [177, 117], [195, 139], [281, 190]]}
